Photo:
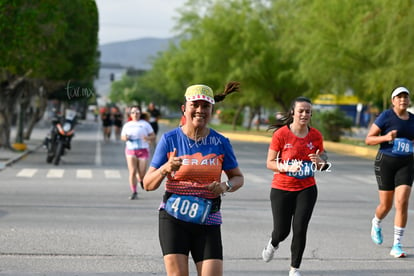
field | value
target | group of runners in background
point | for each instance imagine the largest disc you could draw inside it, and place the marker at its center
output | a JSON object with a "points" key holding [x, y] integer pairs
{"points": [[191, 164]]}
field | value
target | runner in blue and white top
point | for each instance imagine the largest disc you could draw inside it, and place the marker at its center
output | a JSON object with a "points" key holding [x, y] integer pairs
{"points": [[192, 159]]}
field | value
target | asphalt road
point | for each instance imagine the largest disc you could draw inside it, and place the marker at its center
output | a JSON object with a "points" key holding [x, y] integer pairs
{"points": [[76, 218]]}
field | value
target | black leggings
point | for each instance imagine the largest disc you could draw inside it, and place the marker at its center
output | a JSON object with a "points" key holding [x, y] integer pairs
{"points": [[292, 209]]}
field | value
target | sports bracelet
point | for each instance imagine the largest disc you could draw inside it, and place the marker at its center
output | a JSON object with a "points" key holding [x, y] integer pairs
{"points": [[229, 186]]}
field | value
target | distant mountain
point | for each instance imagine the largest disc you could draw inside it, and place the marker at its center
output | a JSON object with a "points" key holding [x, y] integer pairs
{"points": [[133, 53]]}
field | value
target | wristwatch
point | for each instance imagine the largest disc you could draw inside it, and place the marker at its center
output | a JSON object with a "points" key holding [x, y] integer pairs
{"points": [[229, 186]]}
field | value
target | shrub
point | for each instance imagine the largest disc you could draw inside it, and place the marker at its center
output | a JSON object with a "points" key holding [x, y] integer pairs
{"points": [[227, 115], [332, 123]]}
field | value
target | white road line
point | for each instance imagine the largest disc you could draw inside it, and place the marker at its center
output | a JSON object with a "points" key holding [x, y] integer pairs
{"points": [[83, 173], [80, 173], [112, 174], [98, 155], [55, 173], [26, 172]]}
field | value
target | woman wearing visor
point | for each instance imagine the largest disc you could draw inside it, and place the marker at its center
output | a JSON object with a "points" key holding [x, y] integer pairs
{"points": [[393, 130], [192, 158]]}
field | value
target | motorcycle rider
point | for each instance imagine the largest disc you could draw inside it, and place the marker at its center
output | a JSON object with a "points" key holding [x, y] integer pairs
{"points": [[53, 131]]}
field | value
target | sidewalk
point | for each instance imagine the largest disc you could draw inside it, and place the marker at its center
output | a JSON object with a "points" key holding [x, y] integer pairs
{"points": [[9, 157]]}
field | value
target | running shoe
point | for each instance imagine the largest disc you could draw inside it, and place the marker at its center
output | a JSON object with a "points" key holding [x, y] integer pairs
{"points": [[134, 196], [294, 272], [397, 251], [268, 251], [376, 234]]}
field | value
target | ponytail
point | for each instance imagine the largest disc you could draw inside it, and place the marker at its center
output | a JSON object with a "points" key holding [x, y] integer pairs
{"points": [[230, 87]]}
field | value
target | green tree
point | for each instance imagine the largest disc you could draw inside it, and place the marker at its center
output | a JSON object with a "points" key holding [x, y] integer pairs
{"points": [[20, 49], [228, 40], [44, 45], [281, 49], [360, 45]]}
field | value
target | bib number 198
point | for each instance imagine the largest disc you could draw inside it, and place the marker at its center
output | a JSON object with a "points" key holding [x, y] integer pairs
{"points": [[402, 146]]}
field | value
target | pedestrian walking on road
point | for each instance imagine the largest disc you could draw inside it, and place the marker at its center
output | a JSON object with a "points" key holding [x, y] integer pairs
{"points": [[154, 116], [138, 134], [192, 158], [294, 155], [118, 120], [107, 122], [393, 130]]}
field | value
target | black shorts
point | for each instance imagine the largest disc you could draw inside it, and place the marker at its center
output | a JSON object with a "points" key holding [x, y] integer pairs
{"points": [[393, 171], [154, 127], [118, 123], [180, 237], [106, 123]]}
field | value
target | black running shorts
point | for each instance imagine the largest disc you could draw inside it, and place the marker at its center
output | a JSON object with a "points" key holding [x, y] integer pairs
{"points": [[393, 171], [180, 237]]}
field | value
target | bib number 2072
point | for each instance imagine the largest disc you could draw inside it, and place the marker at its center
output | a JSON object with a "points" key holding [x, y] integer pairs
{"points": [[188, 208]]}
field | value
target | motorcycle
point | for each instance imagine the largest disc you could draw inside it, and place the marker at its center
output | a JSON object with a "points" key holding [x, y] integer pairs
{"points": [[60, 136]]}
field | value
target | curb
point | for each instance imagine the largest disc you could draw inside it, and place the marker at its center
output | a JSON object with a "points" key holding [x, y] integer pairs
{"points": [[247, 137], [364, 152], [18, 157]]}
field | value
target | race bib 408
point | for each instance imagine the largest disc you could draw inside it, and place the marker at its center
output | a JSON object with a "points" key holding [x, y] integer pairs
{"points": [[188, 208]]}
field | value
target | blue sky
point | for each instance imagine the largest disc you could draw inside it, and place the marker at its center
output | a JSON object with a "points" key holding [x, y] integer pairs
{"points": [[122, 20]]}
